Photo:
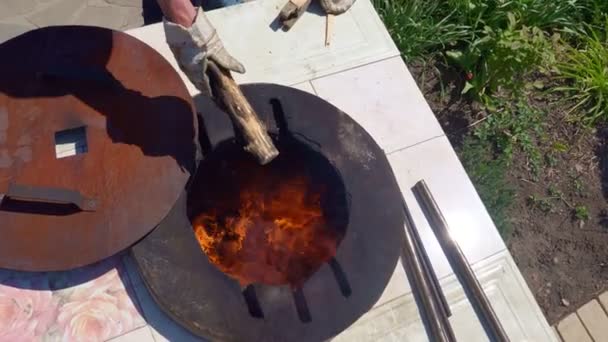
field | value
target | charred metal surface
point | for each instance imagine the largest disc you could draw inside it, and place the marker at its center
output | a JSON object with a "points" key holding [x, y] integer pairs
{"points": [[255, 310], [200, 297], [141, 144], [301, 306], [341, 278]]}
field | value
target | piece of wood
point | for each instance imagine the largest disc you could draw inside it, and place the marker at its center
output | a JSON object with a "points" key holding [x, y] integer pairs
{"points": [[291, 12], [329, 28], [227, 94]]}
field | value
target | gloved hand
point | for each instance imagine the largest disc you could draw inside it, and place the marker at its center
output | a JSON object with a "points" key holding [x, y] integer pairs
{"points": [[336, 7], [192, 46]]}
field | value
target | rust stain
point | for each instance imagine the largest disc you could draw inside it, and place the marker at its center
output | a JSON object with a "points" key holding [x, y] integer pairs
{"points": [[3, 125], [24, 153], [5, 159], [24, 140]]}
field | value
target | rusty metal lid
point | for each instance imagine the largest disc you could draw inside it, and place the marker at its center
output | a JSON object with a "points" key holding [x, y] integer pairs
{"points": [[128, 116]]}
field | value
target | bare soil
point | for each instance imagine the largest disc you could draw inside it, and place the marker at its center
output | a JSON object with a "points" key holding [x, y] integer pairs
{"points": [[563, 256]]}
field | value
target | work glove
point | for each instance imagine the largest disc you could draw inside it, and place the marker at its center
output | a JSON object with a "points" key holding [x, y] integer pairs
{"points": [[336, 7], [192, 46]]}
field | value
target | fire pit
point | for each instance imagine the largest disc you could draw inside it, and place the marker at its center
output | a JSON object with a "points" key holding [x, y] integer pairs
{"points": [[274, 224], [293, 251]]}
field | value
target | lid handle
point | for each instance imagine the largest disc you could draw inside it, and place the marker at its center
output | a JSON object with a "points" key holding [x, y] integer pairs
{"points": [[49, 195]]}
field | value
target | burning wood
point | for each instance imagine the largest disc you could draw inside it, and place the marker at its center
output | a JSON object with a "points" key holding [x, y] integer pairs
{"points": [[267, 225], [228, 94]]}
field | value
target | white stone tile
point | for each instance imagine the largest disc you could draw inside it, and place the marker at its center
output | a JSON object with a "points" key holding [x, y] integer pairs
{"points": [[108, 17], [397, 286], [289, 57], [384, 99], [436, 162], [163, 328], [595, 320], [507, 292], [143, 334], [56, 13], [305, 86], [572, 330], [11, 30], [16, 7]]}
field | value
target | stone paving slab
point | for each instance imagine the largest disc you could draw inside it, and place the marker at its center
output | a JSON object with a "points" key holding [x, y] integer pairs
{"points": [[604, 300], [588, 323], [559, 338], [109, 17], [571, 329], [595, 320], [10, 30], [17, 7], [125, 3], [19, 16], [56, 13]]}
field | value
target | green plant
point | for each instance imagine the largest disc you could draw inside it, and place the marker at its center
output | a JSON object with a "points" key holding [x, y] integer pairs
{"points": [[550, 14], [499, 58], [512, 126], [544, 14], [543, 204], [419, 28], [499, 46], [587, 70], [553, 191], [551, 160], [579, 188], [581, 213], [594, 12], [488, 174], [559, 147]]}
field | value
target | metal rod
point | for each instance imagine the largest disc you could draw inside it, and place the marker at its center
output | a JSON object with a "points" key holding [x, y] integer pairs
{"points": [[428, 269], [459, 262], [437, 321]]}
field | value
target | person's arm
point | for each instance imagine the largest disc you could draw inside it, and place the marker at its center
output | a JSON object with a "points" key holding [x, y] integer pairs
{"points": [[194, 41], [178, 11]]}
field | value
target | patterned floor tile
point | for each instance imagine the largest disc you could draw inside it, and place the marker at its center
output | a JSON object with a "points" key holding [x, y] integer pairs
{"points": [[92, 303]]}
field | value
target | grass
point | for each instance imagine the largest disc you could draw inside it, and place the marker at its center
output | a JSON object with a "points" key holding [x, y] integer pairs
{"points": [[499, 47], [419, 28], [586, 68]]}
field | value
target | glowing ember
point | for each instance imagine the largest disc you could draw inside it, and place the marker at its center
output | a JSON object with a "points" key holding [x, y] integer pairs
{"points": [[266, 224]]}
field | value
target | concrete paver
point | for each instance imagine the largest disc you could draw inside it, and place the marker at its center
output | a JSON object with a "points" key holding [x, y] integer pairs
{"points": [[18, 7], [595, 320], [125, 3], [57, 13], [5, 12], [10, 30], [604, 300], [559, 338], [108, 17], [572, 330], [19, 16], [134, 18]]}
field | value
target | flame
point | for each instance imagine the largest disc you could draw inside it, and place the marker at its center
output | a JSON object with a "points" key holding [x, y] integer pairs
{"points": [[272, 231]]}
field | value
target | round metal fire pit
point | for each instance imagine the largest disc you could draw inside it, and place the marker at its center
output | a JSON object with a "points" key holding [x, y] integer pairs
{"points": [[126, 114], [194, 292]]}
